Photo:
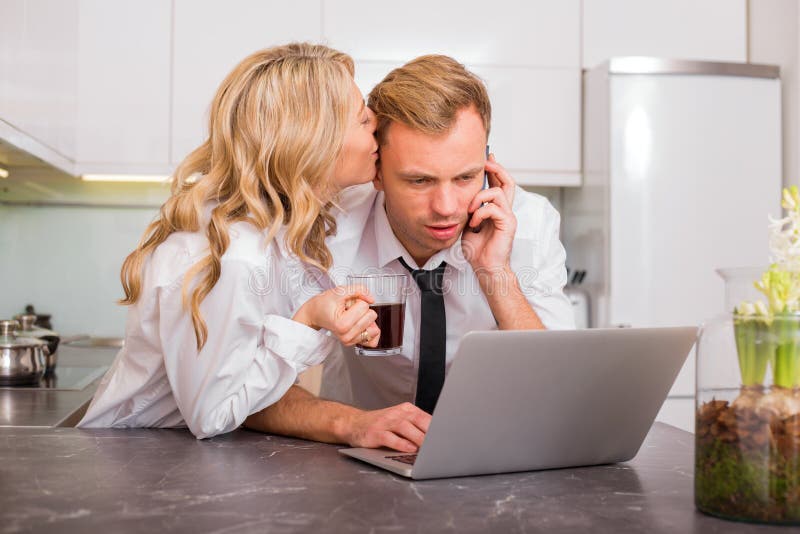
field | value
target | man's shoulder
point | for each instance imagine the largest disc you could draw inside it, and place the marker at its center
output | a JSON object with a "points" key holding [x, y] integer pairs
{"points": [[353, 208], [354, 198], [533, 211]]}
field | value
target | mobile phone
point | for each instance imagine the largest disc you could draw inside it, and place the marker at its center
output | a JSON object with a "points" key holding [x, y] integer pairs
{"points": [[485, 186]]}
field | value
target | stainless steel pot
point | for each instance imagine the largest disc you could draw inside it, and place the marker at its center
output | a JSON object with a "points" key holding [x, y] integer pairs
{"points": [[29, 328], [22, 359]]}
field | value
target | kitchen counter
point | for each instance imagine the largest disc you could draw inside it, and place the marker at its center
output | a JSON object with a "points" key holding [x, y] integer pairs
{"points": [[25, 406], [74, 480]]}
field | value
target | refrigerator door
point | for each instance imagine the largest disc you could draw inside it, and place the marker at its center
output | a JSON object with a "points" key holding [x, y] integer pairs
{"points": [[694, 169]]}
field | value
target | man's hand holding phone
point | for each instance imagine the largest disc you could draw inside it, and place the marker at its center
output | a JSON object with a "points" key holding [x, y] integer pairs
{"points": [[489, 250]]}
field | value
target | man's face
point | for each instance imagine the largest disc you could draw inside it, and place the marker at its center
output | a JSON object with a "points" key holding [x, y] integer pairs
{"points": [[430, 180]]}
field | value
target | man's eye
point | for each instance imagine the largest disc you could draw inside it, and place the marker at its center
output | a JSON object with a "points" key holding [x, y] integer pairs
{"points": [[419, 181]]}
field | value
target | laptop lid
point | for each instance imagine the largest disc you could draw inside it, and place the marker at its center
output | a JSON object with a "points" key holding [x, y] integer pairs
{"points": [[527, 400]]}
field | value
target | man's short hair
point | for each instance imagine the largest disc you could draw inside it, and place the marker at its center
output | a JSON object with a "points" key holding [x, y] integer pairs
{"points": [[426, 93]]}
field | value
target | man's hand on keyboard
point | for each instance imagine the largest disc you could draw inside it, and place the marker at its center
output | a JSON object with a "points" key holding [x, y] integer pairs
{"points": [[401, 427]]}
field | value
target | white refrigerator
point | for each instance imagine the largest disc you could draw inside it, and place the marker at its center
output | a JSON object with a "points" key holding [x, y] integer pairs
{"points": [[682, 164]]}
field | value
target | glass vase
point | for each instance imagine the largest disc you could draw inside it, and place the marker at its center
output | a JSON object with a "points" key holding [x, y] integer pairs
{"points": [[747, 441]]}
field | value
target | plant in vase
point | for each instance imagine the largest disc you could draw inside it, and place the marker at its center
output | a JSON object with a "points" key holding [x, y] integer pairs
{"points": [[747, 459]]}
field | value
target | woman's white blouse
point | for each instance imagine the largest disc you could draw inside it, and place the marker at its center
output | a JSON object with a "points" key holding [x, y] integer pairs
{"points": [[253, 352]]}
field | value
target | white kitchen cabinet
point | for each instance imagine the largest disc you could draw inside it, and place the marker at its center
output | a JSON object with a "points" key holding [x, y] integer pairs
{"points": [[368, 74], [536, 123], [123, 86], [12, 33], [538, 33], [710, 30], [210, 38], [536, 119], [38, 84]]}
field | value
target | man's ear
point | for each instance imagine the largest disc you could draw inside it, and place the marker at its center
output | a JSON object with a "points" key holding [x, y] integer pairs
{"points": [[377, 183]]}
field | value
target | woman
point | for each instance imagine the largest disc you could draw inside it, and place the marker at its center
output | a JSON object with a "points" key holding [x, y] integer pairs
{"points": [[212, 335]]}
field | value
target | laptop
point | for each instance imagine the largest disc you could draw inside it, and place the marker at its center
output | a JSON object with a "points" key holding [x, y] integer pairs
{"points": [[530, 400]]}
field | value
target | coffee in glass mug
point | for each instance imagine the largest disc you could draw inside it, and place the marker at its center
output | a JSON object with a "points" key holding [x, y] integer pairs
{"points": [[389, 291]]}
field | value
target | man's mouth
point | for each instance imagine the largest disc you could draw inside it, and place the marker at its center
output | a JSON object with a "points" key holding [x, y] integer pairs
{"points": [[443, 231]]}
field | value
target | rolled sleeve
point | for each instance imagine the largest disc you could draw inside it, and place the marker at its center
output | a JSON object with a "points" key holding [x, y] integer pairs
{"points": [[250, 359], [295, 342]]}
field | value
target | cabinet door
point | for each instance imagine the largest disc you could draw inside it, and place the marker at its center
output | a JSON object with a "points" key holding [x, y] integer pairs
{"points": [[368, 74], [12, 61], [123, 86], [714, 30], [211, 38], [536, 123], [38, 39], [503, 32], [536, 119]]}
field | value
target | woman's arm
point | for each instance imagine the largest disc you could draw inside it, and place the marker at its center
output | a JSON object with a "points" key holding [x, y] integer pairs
{"points": [[250, 359]]}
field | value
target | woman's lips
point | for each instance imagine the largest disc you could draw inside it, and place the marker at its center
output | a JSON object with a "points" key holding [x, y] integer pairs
{"points": [[443, 232]]}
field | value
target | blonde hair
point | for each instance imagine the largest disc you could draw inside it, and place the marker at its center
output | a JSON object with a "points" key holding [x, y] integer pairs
{"points": [[276, 126], [426, 93]]}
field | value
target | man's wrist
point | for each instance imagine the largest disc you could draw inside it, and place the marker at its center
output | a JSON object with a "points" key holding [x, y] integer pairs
{"points": [[500, 280], [342, 424]]}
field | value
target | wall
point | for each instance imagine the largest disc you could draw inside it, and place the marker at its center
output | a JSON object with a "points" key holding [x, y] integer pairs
{"points": [[69, 259]]}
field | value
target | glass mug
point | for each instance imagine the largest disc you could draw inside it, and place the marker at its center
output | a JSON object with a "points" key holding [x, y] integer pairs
{"points": [[389, 291]]}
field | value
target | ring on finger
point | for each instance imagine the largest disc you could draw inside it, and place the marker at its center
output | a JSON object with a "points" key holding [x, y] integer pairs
{"points": [[364, 336]]}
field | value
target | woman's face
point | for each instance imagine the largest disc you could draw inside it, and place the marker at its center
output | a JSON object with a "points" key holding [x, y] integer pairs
{"points": [[357, 161]]}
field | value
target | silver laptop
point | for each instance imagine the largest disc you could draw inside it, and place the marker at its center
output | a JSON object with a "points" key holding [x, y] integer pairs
{"points": [[529, 400]]}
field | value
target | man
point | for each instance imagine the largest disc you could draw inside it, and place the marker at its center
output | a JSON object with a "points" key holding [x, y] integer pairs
{"points": [[482, 259]]}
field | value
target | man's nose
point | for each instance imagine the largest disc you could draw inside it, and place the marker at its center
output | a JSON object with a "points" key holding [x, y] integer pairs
{"points": [[444, 202]]}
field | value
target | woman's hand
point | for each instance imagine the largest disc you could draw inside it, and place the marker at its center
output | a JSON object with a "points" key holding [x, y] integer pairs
{"points": [[344, 311]]}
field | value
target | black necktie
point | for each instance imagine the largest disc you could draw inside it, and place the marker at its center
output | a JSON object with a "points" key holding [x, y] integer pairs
{"points": [[432, 336]]}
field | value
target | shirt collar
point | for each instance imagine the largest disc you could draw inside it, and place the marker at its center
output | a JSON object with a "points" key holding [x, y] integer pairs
{"points": [[390, 248]]}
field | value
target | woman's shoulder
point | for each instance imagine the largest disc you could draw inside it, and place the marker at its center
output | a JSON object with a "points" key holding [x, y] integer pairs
{"points": [[175, 255], [249, 244], [246, 245]]}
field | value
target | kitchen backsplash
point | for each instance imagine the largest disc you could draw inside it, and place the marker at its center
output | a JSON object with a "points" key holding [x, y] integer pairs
{"points": [[66, 261]]}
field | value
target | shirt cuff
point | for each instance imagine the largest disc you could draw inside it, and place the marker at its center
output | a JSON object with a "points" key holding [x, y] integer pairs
{"points": [[296, 342]]}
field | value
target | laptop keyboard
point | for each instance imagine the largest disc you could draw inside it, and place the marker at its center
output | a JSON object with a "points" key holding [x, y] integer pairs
{"points": [[404, 458]]}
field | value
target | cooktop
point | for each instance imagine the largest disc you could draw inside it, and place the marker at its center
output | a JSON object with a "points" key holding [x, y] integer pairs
{"points": [[66, 379]]}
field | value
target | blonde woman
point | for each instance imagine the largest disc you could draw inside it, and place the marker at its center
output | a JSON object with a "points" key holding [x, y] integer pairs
{"points": [[212, 334]]}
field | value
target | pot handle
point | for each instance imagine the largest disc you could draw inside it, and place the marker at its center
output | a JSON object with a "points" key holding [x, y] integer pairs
{"points": [[8, 328]]}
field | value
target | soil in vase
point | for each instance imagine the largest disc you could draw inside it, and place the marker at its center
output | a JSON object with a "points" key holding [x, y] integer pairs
{"points": [[747, 458]]}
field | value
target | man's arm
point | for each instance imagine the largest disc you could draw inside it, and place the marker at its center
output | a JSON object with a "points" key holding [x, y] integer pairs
{"points": [[301, 414], [489, 252], [510, 307]]}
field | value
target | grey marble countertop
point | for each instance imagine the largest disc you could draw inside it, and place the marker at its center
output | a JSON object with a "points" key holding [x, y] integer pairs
{"points": [[72, 480], [24, 406]]}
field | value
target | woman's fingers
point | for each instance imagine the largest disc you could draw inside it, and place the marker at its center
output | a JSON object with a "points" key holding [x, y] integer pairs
{"points": [[350, 294], [374, 335], [354, 335]]}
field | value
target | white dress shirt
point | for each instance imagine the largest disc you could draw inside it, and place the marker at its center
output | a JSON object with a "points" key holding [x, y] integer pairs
{"points": [[365, 241], [252, 355]]}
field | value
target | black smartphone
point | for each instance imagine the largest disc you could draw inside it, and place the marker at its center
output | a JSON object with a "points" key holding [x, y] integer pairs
{"points": [[485, 186]]}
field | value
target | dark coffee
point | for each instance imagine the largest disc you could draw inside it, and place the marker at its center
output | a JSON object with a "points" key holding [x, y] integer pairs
{"points": [[390, 320]]}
